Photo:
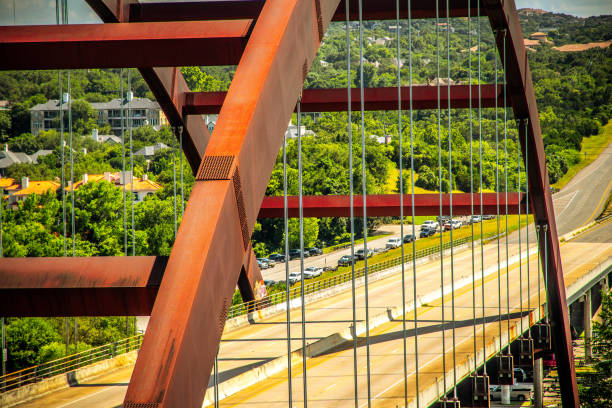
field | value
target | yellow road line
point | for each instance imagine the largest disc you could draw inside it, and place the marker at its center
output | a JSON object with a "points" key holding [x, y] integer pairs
{"points": [[603, 197]]}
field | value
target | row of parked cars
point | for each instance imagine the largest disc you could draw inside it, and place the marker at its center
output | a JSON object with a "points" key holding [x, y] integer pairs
{"points": [[273, 259]]}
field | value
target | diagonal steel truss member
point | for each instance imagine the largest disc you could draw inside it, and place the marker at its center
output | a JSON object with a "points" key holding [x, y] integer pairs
{"points": [[212, 251]]}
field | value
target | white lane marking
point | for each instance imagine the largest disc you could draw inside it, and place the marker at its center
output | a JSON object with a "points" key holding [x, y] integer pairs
{"points": [[330, 387], [84, 397], [568, 203]]}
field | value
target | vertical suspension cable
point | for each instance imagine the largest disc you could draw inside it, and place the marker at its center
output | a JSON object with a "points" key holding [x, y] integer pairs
{"points": [[537, 229], [506, 190], [216, 379], [472, 182], [450, 193], [482, 269], [180, 152], [71, 158], [545, 228], [288, 300], [174, 136], [351, 193], [129, 113], [414, 277], [440, 195], [122, 100], [401, 197], [518, 189], [497, 191], [527, 216], [301, 214], [364, 193]]}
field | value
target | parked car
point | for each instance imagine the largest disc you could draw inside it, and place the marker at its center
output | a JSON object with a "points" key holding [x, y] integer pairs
{"points": [[277, 257], [359, 253], [295, 253], [430, 224], [312, 272], [314, 251], [345, 260], [262, 265], [475, 218], [488, 217], [426, 232], [295, 277], [518, 392], [270, 262], [269, 283], [393, 243], [409, 238]]}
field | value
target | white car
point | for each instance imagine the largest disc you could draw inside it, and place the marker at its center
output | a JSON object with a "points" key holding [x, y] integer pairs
{"points": [[456, 224], [430, 224], [394, 243], [295, 277], [312, 272]]}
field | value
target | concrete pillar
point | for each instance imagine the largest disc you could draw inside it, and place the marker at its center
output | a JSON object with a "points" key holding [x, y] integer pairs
{"points": [[505, 394], [538, 389], [588, 325]]}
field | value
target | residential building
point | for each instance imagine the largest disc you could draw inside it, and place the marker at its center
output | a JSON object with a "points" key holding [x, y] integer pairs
{"points": [[32, 187], [8, 158], [292, 131], [140, 187], [136, 112], [110, 139], [150, 151]]}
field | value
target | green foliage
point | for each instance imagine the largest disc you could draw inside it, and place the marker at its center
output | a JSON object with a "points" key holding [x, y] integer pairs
{"points": [[596, 386], [25, 338]]}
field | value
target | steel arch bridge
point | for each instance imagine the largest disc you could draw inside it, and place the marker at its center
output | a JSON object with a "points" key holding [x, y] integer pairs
{"points": [[273, 43]]}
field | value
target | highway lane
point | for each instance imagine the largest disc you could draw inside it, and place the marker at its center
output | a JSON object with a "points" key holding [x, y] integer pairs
{"points": [[330, 377]]}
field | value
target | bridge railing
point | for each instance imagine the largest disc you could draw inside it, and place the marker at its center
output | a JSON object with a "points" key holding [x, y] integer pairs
{"points": [[69, 363], [281, 297]]}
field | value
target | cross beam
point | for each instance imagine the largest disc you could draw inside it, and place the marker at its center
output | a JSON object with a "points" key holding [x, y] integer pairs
{"points": [[241, 9], [122, 45], [336, 100]]}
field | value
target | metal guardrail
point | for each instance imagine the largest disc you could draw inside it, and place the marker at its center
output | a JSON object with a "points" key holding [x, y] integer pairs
{"points": [[281, 297], [69, 363]]}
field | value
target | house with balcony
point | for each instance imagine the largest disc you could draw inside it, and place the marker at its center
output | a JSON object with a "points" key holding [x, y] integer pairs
{"points": [[135, 112]]}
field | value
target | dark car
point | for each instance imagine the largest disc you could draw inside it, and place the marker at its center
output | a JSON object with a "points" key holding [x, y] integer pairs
{"points": [[426, 232], [295, 253], [345, 260], [314, 251], [408, 238], [360, 253], [277, 257]]}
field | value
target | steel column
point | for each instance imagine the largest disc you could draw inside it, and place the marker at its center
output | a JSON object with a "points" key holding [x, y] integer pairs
{"points": [[504, 20]]}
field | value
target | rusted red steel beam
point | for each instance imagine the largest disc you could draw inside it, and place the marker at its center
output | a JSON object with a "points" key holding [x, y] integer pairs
{"points": [[92, 286], [189, 313], [122, 45], [239, 9], [504, 21], [335, 100], [385, 205]]}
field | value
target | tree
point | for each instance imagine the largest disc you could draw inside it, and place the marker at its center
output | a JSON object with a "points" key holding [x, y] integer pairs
{"points": [[25, 339]]}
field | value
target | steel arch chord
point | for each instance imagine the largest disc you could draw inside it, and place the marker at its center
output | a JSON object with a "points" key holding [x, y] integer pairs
{"points": [[273, 43]]}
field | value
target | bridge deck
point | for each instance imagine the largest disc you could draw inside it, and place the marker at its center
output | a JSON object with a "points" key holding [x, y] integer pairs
{"points": [[330, 378]]}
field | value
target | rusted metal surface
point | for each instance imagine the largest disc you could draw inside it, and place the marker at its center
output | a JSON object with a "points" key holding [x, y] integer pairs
{"points": [[122, 44], [335, 100], [250, 281], [384, 205], [189, 313], [504, 19], [238, 9], [92, 286]]}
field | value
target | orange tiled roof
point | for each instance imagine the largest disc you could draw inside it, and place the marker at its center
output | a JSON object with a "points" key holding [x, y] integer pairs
{"points": [[6, 182], [90, 179], [38, 187], [143, 185]]}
